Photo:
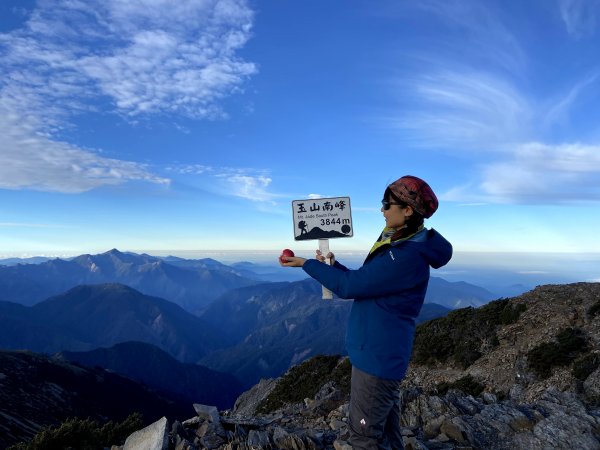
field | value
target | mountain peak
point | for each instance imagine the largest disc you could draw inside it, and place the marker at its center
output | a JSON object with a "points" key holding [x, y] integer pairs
{"points": [[114, 252]]}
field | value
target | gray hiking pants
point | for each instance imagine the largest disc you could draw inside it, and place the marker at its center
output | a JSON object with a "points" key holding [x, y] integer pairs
{"points": [[374, 412]]}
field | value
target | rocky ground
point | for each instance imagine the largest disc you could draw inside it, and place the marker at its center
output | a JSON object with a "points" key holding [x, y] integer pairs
{"points": [[558, 420]]}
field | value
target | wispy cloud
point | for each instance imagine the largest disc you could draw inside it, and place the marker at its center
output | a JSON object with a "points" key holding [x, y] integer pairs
{"points": [[190, 169], [559, 111], [247, 183], [468, 108], [32, 160], [580, 16], [537, 173], [475, 101], [459, 88], [134, 58], [485, 31]]}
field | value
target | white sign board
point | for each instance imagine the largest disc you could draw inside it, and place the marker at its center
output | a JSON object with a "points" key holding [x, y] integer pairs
{"points": [[322, 218]]}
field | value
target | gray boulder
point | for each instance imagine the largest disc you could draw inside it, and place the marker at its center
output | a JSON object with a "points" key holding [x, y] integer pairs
{"points": [[153, 437]]}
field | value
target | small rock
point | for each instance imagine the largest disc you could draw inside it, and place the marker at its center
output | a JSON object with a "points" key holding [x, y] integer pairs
{"points": [[432, 428], [207, 412], [279, 433], [442, 438], [258, 438], [521, 424], [341, 445], [336, 424], [190, 423], [453, 431], [153, 437], [489, 398], [407, 432], [291, 442], [212, 441], [183, 445], [412, 443]]}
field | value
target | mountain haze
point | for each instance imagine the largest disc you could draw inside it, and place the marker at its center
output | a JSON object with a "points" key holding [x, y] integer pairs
{"points": [[192, 288]]}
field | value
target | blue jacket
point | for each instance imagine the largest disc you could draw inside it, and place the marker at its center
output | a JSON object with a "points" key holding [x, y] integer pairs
{"points": [[388, 292]]}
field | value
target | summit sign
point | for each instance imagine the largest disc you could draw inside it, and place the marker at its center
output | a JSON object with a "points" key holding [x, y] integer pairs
{"points": [[322, 218]]}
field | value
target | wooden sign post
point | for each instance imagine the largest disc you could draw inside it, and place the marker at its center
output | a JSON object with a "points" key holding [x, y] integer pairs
{"points": [[322, 219]]}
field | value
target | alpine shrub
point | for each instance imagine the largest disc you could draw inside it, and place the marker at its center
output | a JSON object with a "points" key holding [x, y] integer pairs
{"points": [[594, 309], [583, 367], [569, 343], [466, 384], [304, 381], [82, 435], [464, 334]]}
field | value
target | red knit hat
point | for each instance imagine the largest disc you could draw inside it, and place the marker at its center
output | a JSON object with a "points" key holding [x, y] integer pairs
{"points": [[415, 193]]}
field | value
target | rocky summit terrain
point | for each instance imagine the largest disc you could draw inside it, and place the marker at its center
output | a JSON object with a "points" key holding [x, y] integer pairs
{"points": [[519, 373]]}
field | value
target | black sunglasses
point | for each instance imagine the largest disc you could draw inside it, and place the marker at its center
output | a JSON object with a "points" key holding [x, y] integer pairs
{"points": [[386, 205]]}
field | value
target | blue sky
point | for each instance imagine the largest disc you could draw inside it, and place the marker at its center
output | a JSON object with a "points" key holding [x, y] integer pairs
{"points": [[152, 125]]}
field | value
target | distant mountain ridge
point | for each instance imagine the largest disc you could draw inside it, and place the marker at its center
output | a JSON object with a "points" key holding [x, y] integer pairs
{"points": [[457, 294], [32, 260], [152, 366], [192, 288], [92, 316]]}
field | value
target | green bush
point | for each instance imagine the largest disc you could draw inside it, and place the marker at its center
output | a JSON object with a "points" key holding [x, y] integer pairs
{"points": [[460, 337], [569, 343], [511, 313], [82, 435], [466, 384], [583, 367], [342, 375], [594, 309], [305, 380]]}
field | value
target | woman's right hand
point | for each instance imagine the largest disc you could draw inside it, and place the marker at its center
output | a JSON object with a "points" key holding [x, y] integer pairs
{"points": [[329, 256]]}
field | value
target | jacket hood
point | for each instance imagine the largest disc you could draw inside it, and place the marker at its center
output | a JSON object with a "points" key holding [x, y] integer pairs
{"points": [[436, 250]]}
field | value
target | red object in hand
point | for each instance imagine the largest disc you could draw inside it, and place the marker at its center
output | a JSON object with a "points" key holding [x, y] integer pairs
{"points": [[285, 252]]}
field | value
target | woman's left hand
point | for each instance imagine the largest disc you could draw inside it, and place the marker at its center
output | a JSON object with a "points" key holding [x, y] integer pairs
{"points": [[291, 261]]}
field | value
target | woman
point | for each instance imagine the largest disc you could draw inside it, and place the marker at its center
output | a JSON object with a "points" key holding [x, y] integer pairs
{"points": [[388, 292]]}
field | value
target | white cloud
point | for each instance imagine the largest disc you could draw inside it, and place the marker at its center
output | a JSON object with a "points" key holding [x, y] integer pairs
{"points": [[147, 56], [32, 160], [580, 16], [143, 56], [253, 188], [537, 173]]}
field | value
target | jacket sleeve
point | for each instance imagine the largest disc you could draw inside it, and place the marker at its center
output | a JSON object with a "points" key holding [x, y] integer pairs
{"points": [[340, 266], [393, 271]]}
